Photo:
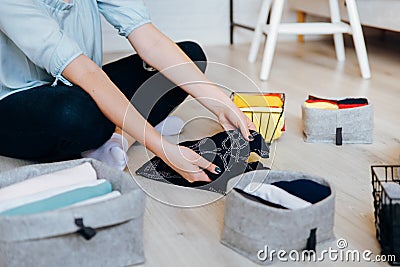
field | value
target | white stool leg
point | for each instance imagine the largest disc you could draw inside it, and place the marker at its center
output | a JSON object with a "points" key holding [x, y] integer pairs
{"points": [[258, 32], [338, 37], [276, 15], [358, 39]]}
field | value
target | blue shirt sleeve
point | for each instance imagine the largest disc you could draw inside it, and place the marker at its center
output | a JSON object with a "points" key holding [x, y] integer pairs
{"points": [[37, 35], [124, 15]]}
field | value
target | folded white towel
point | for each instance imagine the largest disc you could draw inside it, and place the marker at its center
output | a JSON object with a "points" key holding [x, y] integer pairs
{"points": [[75, 175], [12, 203], [112, 195], [276, 195]]}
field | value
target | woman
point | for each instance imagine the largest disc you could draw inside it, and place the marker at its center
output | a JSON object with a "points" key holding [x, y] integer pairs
{"points": [[53, 48]]}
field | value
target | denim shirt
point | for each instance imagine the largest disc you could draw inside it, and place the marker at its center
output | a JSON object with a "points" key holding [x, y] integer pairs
{"points": [[39, 38]]}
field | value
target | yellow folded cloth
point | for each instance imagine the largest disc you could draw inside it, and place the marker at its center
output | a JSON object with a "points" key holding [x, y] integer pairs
{"points": [[254, 100], [321, 105], [257, 108]]}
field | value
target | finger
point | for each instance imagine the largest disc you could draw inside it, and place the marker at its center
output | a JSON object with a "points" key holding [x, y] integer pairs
{"points": [[242, 123], [194, 175], [251, 125], [205, 164], [228, 126], [186, 172], [244, 129], [198, 176]]}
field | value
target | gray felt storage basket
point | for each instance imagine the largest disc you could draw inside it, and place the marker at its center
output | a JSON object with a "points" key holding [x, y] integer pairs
{"points": [[51, 238], [250, 226], [347, 126]]}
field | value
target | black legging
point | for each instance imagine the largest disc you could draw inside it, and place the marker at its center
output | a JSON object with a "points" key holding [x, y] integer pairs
{"points": [[58, 123]]}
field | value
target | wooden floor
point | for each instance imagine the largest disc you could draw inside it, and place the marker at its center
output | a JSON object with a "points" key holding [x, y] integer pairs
{"points": [[178, 236]]}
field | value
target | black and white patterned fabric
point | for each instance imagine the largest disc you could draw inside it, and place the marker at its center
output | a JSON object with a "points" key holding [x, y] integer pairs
{"points": [[228, 150]]}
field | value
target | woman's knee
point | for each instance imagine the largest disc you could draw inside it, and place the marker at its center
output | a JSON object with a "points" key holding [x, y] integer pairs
{"points": [[80, 118], [194, 51]]}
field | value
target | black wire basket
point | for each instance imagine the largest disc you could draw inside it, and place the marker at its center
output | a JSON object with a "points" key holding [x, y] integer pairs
{"points": [[387, 211], [268, 119]]}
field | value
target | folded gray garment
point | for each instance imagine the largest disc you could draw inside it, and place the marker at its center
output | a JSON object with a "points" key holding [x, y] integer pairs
{"points": [[392, 190]]}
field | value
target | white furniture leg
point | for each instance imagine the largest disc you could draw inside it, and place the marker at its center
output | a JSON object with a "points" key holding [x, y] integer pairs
{"points": [[276, 15], [358, 39], [337, 37], [336, 28], [258, 32]]}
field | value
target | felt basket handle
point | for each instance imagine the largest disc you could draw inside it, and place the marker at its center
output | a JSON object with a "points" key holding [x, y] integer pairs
{"points": [[339, 138], [85, 231], [312, 240]]}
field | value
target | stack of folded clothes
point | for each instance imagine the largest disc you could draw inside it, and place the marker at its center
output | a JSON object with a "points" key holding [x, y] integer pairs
{"points": [[66, 188], [265, 111], [344, 121], [389, 219], [322, 103], [291, 195]]}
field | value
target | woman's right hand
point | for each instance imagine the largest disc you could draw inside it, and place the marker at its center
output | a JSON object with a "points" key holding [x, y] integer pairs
{"points": [[188, 163]]}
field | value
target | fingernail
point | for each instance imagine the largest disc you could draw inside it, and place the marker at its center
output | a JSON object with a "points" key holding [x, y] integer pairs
{"points": [[251, 138], [218, 170]]}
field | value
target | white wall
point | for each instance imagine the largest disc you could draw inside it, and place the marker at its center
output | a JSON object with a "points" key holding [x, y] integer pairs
{"points": [[206, 21]]}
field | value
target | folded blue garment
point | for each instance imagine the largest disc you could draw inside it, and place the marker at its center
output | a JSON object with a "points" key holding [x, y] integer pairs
{"points": [[61, 200]]}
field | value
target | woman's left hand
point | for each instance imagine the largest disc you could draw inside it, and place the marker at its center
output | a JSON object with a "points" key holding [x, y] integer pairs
{"points": [[231, 117]]}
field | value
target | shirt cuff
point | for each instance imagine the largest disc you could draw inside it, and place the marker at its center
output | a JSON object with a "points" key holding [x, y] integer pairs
{"points": [[66, 51], [134, 27]]}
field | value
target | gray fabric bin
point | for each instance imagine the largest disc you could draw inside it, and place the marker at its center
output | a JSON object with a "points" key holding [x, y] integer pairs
{"points": [[50, 238], [320, 125], [250, 226]]}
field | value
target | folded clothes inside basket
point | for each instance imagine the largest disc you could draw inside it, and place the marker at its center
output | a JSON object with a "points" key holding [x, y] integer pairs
{"points": [[35, 203], [69, 187], [392, 192], [307, 190], [88, 235], [112, 195], [79, 174], [276, 195], [265, 111], [296, 194], [323, 103], [258, 199], [243, 100]]}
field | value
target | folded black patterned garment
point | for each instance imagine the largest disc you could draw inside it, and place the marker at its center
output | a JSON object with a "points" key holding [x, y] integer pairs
{"points": [[228, 150]]}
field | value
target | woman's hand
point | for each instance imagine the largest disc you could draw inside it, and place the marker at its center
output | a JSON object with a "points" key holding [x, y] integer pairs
{"points": [[231, 117], [188, 163]]}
